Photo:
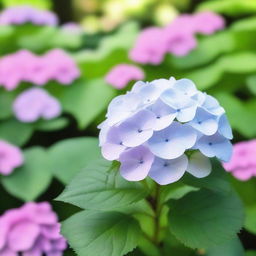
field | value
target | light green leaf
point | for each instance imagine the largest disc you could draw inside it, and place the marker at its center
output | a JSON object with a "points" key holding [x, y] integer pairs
{"points": [[15, 132], [86, 100], [232, 247], [6, 100], [93, 233], [205, 219], [70, 156], [251, 83], [32, 179], [52, 125], [250, 220], [100, 187], [250, 253]]}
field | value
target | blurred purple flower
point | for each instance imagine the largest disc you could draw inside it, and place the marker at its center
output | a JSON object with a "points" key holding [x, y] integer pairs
{"points": [[10, 158], [208, 22], [122, 74], [25, 66], [31, 230], [35, 103], [26, 14], [163, 129], [243, 162], [72, 28], [150, 47]]}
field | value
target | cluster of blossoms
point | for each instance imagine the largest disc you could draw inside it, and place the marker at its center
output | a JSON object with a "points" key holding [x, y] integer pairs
{"points": [[26, 14], [162, 129], [178, 38], [243, 162], [34, 104], [120, 75], [10, 158], [31, 230], [28, 67]]}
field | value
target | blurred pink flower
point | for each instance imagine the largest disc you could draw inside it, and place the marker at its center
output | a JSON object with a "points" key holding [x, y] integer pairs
{"points": [[122, 74], [150, 46], [243, 162], [26, 14], [10, 158], [73, 28], [208, 22], [35, 103], [25, 66], [31, 230]]}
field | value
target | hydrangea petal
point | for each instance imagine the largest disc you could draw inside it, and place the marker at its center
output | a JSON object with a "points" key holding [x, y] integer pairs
{"points": [[186, 87], [224, 127], [172, 142], [199, 165], [168, 171], [136, 163]]}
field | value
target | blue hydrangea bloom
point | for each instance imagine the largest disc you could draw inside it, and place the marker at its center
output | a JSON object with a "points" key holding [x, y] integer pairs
{"points": [[163, 129]]}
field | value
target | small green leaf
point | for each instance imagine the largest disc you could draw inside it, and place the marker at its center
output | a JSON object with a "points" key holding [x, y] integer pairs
{"points": [[70, 156], [100, 187], [250, 220], [251, 83], [6, 100], [204, 219], [52, 125], [32, 179], [93, 233], [86, 100], [250, 253], [15, 132], [232, 247]]}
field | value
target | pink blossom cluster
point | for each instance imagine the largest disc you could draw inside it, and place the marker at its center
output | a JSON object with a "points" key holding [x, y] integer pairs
{"points": [[26, 14], [24, 66], [10, 158], [178, 38], [243, 162], [120, 75], [31, 230]]}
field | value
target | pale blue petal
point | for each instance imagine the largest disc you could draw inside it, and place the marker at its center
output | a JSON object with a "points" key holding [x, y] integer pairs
{"points": [[136, 163], [168, 171], [199, 165], [137, 129], [172, 142], [224, 127], [212, 105], [187, 113], [186, 86]]}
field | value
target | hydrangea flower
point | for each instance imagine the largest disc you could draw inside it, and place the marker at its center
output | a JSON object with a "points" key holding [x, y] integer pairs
{"points": [[35, 103], [25, 66], [31, 230], [122, 74], [72, 28], [26, 14], [243, 163], [178, 38], [163, 129], [10, 158]]}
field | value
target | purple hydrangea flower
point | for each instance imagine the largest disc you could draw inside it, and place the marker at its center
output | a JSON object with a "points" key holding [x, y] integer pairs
{"points": [[31, 230], [122, 74], [177, 38], [35, 103], [10, 158], [39, 70], [72, 28], [163, 129], [26, 14]]}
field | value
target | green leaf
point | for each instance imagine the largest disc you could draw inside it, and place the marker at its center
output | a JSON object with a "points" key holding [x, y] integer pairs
{"points": [[32, 179], [204, 219], [6, 100], [52, 125], [250, 220], [251, 83], [86, 100], [250, 253], [232, 247], [15, 132], [70, 156], [93, 233], [100, 187]]}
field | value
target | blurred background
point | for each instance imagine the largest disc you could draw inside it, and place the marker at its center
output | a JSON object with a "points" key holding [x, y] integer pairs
{"points": [[68, 48]]}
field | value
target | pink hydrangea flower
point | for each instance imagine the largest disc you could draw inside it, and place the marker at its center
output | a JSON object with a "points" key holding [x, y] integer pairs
{"points": [[208, 22], [10, 158], [26, 14], [150, 47], [243, 162], [122, 74], [39, 70], [35, 103], [31, 230]]}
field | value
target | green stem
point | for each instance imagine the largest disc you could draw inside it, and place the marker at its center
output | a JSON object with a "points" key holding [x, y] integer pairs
{"points": [[157, 208]]}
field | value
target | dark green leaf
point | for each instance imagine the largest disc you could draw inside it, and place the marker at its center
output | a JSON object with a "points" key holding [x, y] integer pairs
{"points": [[52, 125], [93, 233], [100, 187]]}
